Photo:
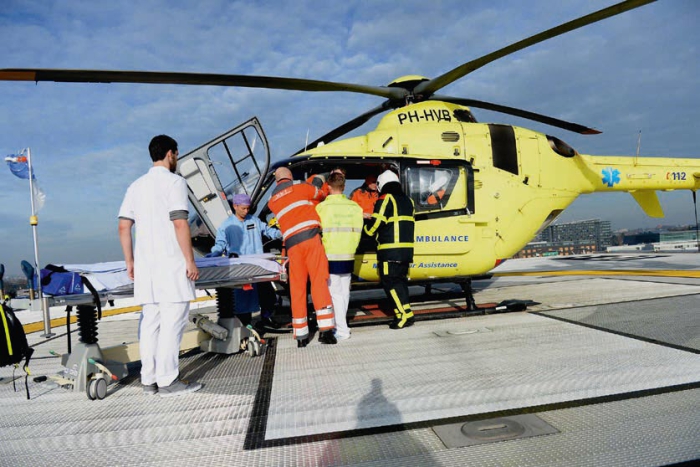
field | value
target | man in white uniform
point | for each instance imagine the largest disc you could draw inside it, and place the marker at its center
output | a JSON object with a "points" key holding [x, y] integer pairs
{"points": [[162, 266]]}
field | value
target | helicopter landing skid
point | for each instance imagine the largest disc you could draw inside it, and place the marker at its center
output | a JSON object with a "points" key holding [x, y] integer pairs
{"points": [[469, 295]]}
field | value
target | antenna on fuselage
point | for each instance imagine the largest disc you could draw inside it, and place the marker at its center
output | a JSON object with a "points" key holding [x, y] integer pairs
{"points": [[639, 144], [306, 143], [697, 225]]}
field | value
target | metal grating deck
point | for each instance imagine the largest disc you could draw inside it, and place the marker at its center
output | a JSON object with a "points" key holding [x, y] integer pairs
{"points": [[615, 397], [378, 379]]}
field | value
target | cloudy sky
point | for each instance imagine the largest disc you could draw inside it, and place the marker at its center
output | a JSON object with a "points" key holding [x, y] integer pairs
{"points": [[634, 72]]}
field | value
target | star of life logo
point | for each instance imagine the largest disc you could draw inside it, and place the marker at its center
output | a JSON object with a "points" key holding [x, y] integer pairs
{"points": [[611, 176]]}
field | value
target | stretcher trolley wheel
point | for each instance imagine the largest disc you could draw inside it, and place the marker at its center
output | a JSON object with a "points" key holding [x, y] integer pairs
{"points": [[253, 348], [97, 388]]}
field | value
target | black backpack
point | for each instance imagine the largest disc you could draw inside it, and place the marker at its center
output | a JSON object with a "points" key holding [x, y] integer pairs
{"points": [[13, 343]]}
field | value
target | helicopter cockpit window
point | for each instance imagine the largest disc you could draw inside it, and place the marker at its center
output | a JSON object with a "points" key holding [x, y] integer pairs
{"points": [[437, 188]]}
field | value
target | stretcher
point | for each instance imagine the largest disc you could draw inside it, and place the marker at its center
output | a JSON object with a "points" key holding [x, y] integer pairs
{"points": [[88, 367]]}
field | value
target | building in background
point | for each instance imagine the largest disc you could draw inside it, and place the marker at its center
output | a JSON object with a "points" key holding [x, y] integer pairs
{"points": [[571, 238], [663, 241]]}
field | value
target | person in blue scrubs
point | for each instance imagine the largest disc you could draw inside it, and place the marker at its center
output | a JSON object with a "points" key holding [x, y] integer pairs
{"points": [[241, 234]]}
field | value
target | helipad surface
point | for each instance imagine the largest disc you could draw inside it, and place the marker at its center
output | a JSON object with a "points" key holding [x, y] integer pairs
{"points": [[611, 363]]}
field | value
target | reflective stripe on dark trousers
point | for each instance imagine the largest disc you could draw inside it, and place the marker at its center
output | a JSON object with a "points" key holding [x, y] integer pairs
{"points": [[394, 277]]}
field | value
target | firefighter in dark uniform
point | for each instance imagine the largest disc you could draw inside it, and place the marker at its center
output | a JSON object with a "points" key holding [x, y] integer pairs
{"points": [[393, 223]]}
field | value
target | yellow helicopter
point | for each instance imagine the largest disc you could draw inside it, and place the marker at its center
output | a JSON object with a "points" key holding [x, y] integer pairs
{"points": [[481, 191]]}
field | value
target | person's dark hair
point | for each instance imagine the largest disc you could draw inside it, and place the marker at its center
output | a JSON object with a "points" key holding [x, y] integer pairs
{"points": [[336, 181], [160, 145]]}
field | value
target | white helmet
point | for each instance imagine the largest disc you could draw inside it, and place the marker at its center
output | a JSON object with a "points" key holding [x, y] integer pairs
{"points": [[386, 177]]}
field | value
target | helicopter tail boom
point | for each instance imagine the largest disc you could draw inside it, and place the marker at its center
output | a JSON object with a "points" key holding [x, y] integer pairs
{"points": [[642, 177], [620, 173]]}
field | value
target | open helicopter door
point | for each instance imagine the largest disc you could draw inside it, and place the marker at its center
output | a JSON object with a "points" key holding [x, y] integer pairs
{"points": [[232, 163]]}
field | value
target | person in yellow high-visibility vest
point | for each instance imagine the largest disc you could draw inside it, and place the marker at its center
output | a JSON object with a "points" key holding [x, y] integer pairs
{"points": [[341, 221]]}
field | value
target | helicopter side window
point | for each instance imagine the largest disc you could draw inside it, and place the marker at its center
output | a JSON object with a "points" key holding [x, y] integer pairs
{"points": [[437, 188]]}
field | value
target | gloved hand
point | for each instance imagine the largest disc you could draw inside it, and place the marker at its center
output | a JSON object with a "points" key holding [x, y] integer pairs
{"points": [[233, 255]]}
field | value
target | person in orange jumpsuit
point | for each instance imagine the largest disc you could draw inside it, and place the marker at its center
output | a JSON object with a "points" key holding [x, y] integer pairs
{"points": [[320, 181], [366, 195], [293, 203]]}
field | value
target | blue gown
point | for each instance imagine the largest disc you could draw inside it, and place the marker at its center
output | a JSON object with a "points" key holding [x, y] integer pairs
{"points": [[243, 237]]}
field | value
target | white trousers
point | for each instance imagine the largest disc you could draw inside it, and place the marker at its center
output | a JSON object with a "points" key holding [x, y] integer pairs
{"points": [[339, 286], [160, 332]]}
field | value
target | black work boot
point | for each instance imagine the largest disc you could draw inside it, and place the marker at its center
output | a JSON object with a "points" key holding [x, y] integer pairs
{"points": [[302, 342], [403, 322], [268, 322], [327, 337]]}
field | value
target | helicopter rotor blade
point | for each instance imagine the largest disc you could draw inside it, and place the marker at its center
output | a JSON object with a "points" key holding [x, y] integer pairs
{"points": [[575, 127], [395, 95], [348, 126], [201, 79], [429, 87]]}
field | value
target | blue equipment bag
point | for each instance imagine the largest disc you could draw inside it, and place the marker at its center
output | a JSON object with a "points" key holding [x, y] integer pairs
{"points": [[58, 283]]}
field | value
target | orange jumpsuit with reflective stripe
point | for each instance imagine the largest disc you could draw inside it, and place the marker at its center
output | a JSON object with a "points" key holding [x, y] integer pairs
{"points": [[319, 181], [294, 206], [365, 198]]}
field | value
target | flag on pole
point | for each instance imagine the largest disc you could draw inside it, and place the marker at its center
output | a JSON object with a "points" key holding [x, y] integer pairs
{"points": [[39, 196], [19, 166]]}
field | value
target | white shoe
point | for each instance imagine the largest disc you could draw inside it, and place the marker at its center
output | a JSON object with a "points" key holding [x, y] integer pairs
{"points": [[341, 337]]}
